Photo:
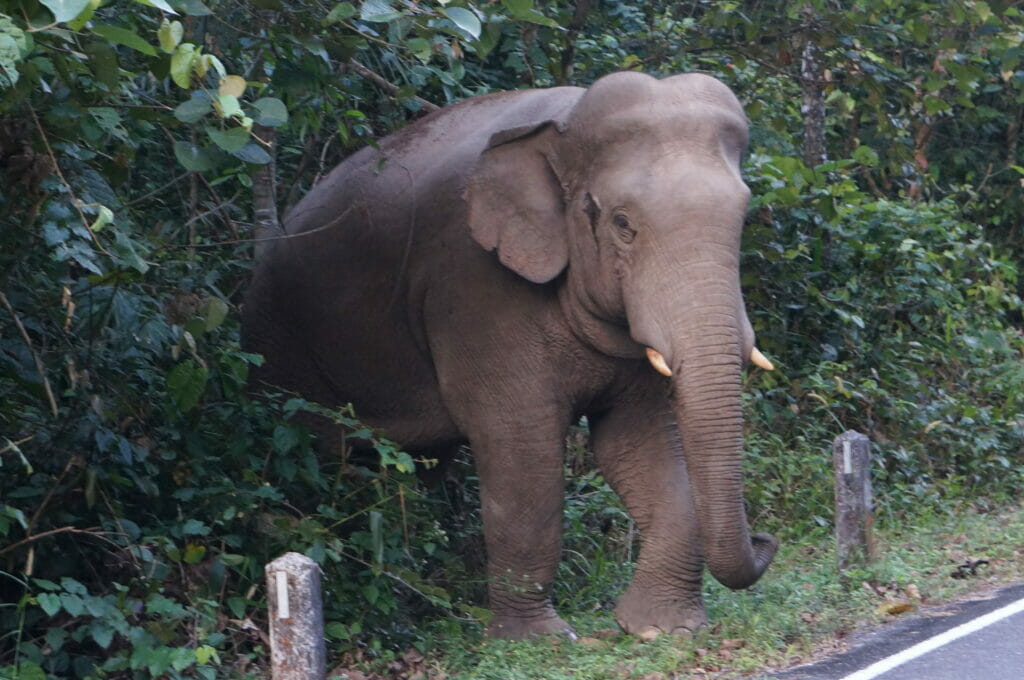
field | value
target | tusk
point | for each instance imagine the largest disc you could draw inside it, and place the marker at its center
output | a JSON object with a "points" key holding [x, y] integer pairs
{"points": [[658, 361], [759, 359]]}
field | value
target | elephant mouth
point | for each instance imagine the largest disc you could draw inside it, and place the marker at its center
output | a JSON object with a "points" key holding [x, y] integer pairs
{"points": [[661, 366]]}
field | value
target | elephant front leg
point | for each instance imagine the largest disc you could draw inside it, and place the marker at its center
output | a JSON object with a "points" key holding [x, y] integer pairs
{"points": [[639, 452], [521, 491]]}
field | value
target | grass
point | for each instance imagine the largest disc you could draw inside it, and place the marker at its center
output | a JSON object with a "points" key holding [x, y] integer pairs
{"points": [[799, 611]]}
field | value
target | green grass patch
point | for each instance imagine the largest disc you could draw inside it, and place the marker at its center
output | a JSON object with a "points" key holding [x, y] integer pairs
{"points": [[800, 610]]}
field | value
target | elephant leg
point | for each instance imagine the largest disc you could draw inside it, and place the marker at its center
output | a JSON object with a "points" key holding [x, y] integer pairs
{"points": [[639, 452], [521, 492]]}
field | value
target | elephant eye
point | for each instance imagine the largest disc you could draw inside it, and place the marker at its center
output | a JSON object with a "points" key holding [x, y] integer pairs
{"points": [[626, 232]]}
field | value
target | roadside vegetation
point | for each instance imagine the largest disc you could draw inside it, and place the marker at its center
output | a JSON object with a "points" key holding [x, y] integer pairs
{"points": [[142, 491]]}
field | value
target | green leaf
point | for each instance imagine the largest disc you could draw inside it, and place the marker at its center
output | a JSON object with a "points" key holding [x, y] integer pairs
{"points": [[270, 111], [72, 604], [125, 248], [194, 553], [182, 60], [101, 633], [227, 105], [208, 61], [158, 4], [465, 20], [170, 34], [205, 654], [253, 153], [82, 19], [65, 10], [377, 537], [9, 58], [25, 671], [193, 8], [193, 110], [341, 12], [865, 155], [214, 312], [122, 36], [194, 158], [230, 140], [50, 603], [421, 48], [285, 438], [378, 11], [336, 630], [103, 62], [518, 7], [186, 383], [105, 217]]}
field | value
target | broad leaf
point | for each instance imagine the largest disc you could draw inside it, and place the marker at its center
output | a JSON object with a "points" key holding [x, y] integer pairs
{"points": [[49, 602], [194, 158], [230, 140], [158, 4], [182, 60], [214, 312], [186, 383], [465, 20], [379, 11], [193, 110], [270, 111], [105, 217], [193, 8], [227, 105], [65, 10], [170, 34], [253, 153], [122, 36], [341, 12]]}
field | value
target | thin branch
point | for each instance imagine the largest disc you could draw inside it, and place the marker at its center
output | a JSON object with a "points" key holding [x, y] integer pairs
{"points": [[13, 446], [386, 85], [92, 531], [40, 367], [156, 191], [330, 225]]}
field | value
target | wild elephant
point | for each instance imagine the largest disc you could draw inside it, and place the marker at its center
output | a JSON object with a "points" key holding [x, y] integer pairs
{"points": [[507, 264]]}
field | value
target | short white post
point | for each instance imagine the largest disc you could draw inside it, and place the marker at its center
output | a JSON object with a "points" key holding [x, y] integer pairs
{"points": [[851, 458], [296, 618]]}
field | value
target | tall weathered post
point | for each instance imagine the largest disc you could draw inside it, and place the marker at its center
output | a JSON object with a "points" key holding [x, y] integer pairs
{"points": [[851, 459], [296, 618]]}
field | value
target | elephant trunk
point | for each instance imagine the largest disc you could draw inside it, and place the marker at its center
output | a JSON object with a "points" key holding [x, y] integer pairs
{"points": [[706, 394], [701, 342]]}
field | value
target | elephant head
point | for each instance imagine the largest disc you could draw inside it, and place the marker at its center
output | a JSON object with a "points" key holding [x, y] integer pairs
{"points": [[635, 197]]}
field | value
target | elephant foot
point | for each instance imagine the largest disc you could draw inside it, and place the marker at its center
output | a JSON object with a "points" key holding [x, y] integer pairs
{"points": [[522, 627], [646, 614]]}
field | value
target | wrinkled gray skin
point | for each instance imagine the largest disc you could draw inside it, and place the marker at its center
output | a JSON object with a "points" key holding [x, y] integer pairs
{"points": [[495, 271]]}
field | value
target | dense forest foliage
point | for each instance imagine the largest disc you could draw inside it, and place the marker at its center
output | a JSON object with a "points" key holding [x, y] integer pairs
{"points": [[143, 144]]}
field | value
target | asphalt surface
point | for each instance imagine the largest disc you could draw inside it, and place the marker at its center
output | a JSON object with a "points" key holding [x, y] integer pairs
{"points": [[992, 652]]}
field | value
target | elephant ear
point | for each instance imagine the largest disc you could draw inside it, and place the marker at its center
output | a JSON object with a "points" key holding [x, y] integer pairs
{"points": [[516, 203]]}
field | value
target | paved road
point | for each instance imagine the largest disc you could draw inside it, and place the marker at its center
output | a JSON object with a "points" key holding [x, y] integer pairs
{"points": [[977, 640]]}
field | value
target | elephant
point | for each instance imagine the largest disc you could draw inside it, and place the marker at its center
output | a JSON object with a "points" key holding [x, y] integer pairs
{"points": [[506, 265]]}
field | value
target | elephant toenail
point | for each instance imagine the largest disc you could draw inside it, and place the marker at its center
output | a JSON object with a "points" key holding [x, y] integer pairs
{"points": [[649, 634]]}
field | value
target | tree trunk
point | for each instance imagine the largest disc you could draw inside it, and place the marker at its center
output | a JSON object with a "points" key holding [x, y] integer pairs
{"points": [[264, 194], [812, 82]]}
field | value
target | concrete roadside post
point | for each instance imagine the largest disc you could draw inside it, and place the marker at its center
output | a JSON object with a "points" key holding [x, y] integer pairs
{"points": [[296, 618], [851, 459]]}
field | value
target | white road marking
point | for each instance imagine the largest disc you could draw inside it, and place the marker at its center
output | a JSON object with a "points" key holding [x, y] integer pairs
{"points": [[931, 644]]}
